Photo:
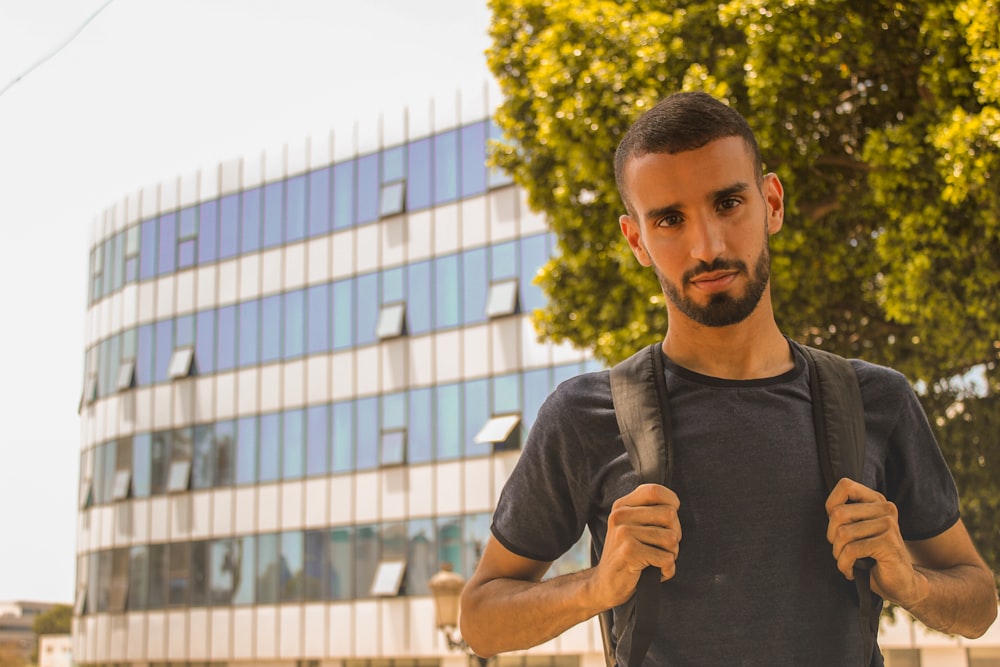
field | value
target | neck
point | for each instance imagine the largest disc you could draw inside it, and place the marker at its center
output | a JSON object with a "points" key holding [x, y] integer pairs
{"points": [[752, 349]]}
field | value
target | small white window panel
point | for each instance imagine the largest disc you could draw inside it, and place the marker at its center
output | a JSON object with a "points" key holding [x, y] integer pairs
{"points": [[90, 388], [179, 477], [86, 494], [502, 299], [393, 448], [81, 602], [181, 363], [497, 429], [126, 375], [392, 199], [391, 321], [118, 595], [122, 486], [388, 578]]}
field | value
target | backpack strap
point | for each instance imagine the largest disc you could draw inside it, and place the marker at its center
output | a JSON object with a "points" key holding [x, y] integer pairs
{"points": [[839, 420], [645, 429]]}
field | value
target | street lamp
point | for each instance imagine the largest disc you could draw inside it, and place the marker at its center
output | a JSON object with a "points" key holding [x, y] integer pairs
{"points": [[446, 586]]}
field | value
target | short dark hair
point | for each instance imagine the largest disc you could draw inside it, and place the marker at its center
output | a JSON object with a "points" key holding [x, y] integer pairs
{"points": [[678, 123]]}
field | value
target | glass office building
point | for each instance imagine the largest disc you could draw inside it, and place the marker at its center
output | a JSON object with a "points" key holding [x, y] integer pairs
{"points": [[307, 376]]}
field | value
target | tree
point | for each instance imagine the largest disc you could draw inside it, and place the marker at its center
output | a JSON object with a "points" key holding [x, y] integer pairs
{"points": [[882, 119], [55, 621]]}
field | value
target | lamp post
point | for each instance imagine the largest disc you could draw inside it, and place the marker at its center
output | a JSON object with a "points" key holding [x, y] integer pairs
{"points": [[446, 586]]}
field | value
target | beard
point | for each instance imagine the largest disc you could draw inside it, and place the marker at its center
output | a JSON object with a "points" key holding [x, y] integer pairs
{"points": [[721, 310]]}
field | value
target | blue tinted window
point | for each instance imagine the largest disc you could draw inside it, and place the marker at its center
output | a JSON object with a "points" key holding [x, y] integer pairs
{"points": [[168, 244], [293, 447], [537, 386], [419, 311], [318, 314], [534, 254], [208, 234], [144, 356], [184, 331], [367, 309], [342, 441], [203, 458], [250, 220], [274, 206], [147, 249], [229, 226], [119, 261], [246, 450], [503, 260], [367, 430], [186, 253], [563, 373], [295, 209], [269, 569], [393, 164], [506, 394], [164, 349], [368, 188], [475, 285], [473, 159], [224, 442], [225, 350], [269, 448], [446, 167], [249, 328], [343, 195], [392, 285], [477, 412], [340, 548], [317, 440], [319, 201], [295, 323], [109, 264], [446, 290], [497, 177], [141, 464], [420, 439], [292, 560], [449, 425], [418, 180], [188, 223], [270, 328], [394, 411], [343, 314], [131, 269]]}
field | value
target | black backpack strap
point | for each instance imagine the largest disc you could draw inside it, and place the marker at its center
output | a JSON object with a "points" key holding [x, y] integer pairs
{"points": [[839, 419], [639, 390]]}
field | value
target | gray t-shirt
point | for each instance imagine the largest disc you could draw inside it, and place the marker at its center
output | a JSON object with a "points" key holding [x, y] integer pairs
{"points": [[756, 582]]}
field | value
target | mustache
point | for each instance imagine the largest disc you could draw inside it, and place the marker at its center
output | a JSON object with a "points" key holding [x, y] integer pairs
{"points": [[717, 264]]}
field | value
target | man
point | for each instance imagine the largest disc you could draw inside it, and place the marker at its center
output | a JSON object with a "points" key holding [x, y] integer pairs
{"points": [[755, 559]]}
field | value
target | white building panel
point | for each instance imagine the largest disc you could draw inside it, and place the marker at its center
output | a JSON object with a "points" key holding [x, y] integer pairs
{"points": [[421, 361], [166, 290], [266, 633], [147, 301], [421, 490], [367, 248], [340, 634], [318, 379], [220, 642], [394, 241], [318, 253], [250, 270], [477, 480], [447, 230], [137, 634], [342, 376], [244, 646], [395, 493], [395, 624], [476, 351], [118, 641], [159, 518], [268, 516], [366, 497], [420, 235], [290, 632], [317, 505], [449, 488], [341, 494], [503, 207], [343, 264], [367, 629], [225, 395], [201, 515], [248, 390], [295, 266], [222, 512], [206, 282], [177, 635], [293, 386], [186, 292], [269, 390], [292, 510], [368, 360], [314, 627], [475, 222], [199, 632], [156, 636], [244, 511], [448, 357], [394, 364]]}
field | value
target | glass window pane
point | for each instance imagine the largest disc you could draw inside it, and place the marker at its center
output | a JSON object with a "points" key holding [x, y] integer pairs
{"points": [[394, 411], [291, 563], [224, 445], [186, 253], [250, 220], [446, 289], [343, 195], [391, 199], [503, 261], [315, 565], [188, 223], [164, 350], [446, 167], [421, 556], [419, 312], [475, 534], [249, 332], [343, 314], [342, 445], [178, 573], [319, 201], [537, 387], [340, 550], [200, 567], [208, 233], [477, 412], [184, 331], [392, 285], [392, 448], [141, 465], [295, 323], [147, 249], [271, 321], [449, 541], [293, 447], [506, 394], [274, 207], [474, 159], [156, 594], [268, 569], [393, 164], [475, 285], [246, 450], [227, 558], [318, 314], [204, 345], [420, 438], [295, 209], [203, 461], [269, 447], [367, 422], [366, 557], [317, 440], [225, 350], [534, 254], [167, 244], [138, 578], [418, 180], [449, 425], [229, 226], [496, 177], [367, 309], [244, 565], [119, 276], [368, 188]]}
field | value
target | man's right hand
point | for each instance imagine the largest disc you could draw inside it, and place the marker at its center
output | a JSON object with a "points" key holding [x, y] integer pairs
{"points": [[643, 530]]}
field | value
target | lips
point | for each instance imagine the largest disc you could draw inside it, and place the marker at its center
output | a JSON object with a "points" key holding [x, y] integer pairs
{"points": [[714, 281]]}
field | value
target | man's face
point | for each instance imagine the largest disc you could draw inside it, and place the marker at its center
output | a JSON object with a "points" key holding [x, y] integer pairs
{"points": [[702, 222]]}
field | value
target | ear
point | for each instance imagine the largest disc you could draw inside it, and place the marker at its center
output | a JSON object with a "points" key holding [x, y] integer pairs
{"points": [[774, 197], [630, 230]]}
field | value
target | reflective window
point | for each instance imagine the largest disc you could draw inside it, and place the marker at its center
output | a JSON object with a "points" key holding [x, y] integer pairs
{"points": [[269, 448], [446, 289], [249, 328], [138, 576], [274, 206], [200, 568], [420, 316], [506, 394], [147, 245], [420, 439], [181, 452], [449, 426], [366, 558], [208, 233], [342, 441], [203, 460], [537, 387], [319, 201], [271, 324], [291, 564], [318, 309], [317, 440], [204, 344], [232, 571], [187, 237], [167, 244], [224, 445], [141, 464], [475, 283], [475, 534], [368, 188], [502, 299], [225, 351], [496, 177], [343, 309], [473, 159], [367, 309], [246, 450], [178, 573], [144, 356], [132, 254], [295, 209], [446, 167], [477, 412], [340, 551], [250, 226], [229, 226], [119, 263], [295, 324], [534, 254], [367, 431], [164, 340], [160, 462], [392, 285], [449, 541], [418, 176], [315, 569], [156, 593], [269, 569], [184, 331], [293, 447], [393, 164], [421, 556], [392, 199], [503, 260], [343, 195]]}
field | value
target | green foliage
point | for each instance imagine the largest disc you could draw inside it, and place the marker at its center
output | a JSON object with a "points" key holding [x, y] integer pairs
{"points": [[882, 119], [55, 621]]}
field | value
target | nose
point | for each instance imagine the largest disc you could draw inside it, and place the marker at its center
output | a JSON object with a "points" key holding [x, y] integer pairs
{"points": [[707, 238]]}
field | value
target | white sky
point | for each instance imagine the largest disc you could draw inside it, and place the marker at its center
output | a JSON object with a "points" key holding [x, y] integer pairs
{"points": [[150, 90]]}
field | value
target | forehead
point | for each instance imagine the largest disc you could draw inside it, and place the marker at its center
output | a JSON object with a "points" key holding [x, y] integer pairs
{"points": [[655, 178]]}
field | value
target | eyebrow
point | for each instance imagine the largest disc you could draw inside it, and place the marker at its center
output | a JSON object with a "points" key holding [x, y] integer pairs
{"points": [[722, 193]]}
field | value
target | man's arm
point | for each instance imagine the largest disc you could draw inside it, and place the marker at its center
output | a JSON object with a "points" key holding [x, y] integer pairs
{"points": [[942, 581], [506, 606]]}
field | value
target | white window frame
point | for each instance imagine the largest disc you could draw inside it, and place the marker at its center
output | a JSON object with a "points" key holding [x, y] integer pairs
{"points": [[395, 461], [388, 578], [126, 375], [392, 199], [502, 299], [179, 477], [391, 320], [122, 487], [498, 429], [181, 363]]}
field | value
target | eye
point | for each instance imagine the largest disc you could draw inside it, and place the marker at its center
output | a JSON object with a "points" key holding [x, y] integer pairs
{"points": [[729, 203], [669, 220]]}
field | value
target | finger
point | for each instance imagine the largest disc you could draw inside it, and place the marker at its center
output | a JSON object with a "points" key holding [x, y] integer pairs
{"points": [[649, 494], [857, 519], [849, 491]]}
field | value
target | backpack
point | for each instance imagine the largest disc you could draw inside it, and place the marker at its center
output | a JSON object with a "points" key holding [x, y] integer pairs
{"points": [[639, 388]]}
